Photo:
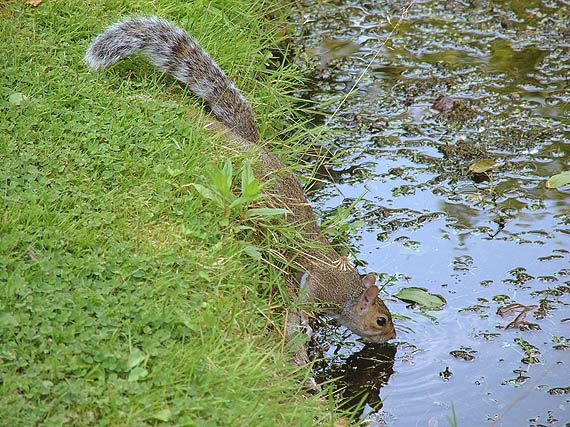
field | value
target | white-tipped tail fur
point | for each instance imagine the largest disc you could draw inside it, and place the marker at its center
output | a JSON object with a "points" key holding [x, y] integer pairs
{"points": [[173, 51]]}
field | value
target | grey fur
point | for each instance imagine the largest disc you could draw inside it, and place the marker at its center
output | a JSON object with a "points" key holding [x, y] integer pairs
{"points": [[173, 51]]}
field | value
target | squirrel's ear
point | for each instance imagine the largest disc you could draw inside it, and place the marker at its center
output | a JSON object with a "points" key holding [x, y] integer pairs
{"points": [[303, 279], [369, 280], [367, 298], [299, 276]]}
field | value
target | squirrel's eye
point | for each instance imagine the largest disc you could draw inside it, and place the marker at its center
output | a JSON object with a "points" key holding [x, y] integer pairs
{"points": [[381, 321]]}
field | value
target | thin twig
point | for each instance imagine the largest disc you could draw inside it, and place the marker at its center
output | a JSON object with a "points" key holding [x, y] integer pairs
{"points": [[358, 80], [367, 68], [523, 394]]}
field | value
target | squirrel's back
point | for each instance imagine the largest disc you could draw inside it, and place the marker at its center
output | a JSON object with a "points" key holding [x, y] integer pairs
{"points": [[173, 51]]}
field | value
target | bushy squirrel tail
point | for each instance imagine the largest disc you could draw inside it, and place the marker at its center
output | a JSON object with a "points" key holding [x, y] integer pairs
{"points": [[174, 51]]}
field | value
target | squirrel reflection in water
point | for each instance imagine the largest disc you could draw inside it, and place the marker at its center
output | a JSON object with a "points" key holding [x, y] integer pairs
{"points": [[361, 376]]}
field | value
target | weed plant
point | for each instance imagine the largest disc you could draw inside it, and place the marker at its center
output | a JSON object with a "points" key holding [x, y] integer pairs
{"points": [[128, 295]]}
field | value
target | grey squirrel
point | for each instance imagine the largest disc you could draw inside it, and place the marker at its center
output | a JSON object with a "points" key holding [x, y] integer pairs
{"points": [[328, 278]]}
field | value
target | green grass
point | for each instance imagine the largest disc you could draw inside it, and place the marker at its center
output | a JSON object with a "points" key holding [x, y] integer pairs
{"points": [[125, 298]]}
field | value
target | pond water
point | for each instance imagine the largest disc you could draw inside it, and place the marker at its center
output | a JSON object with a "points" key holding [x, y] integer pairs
{"points": [[495, 245]]}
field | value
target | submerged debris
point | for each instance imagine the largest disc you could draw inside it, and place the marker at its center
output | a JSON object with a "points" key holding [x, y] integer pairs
{"points": [[446, 374], [443, 103], [464, 353], [561, 343], [460, 112], [520, 311], [520, 379], [559, 390], [463, 152], [531, 353]]}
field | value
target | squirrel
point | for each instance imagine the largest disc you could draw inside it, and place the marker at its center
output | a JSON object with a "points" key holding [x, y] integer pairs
{"points": [[328, 277]]}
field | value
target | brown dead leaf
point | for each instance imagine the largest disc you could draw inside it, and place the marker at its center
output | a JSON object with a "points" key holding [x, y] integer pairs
{"points": [[342, 422], [34, 3], [521, 323], [443, 103], [521, 312], [512, 309]]}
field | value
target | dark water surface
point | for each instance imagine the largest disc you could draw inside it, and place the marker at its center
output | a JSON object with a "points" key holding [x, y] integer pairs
{"points": [[424, 220]]}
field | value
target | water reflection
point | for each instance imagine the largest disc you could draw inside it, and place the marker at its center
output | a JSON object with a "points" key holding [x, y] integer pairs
{"points": [[483, 242], [361, 376], [517, 64]]}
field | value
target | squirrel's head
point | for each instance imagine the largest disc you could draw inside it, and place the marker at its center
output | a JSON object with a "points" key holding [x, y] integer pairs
{"points": [[355, 302], [366, 315]]}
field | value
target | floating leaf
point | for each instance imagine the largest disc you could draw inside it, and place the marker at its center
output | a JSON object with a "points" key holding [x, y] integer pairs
{"points": [[422, 297], [558, 180], [465, 353], [482, 165], [445, 376], [559, 390], [531, 353]]}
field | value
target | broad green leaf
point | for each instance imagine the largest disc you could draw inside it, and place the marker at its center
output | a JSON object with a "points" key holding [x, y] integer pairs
{"points": [[220, 181], [205, 192], [137, 374], [246, 175], [252, 252], [8, 320], [163, 415], [239, 202], [482, 165], [252, 190], [228, 171], [558, 180], [266, 212], [173, 172], [421, 297], [17, 98], [135, 358], [250, 186]]}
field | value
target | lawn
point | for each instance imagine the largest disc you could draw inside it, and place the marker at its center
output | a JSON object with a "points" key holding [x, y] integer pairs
{"points": [[127, 298]]}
